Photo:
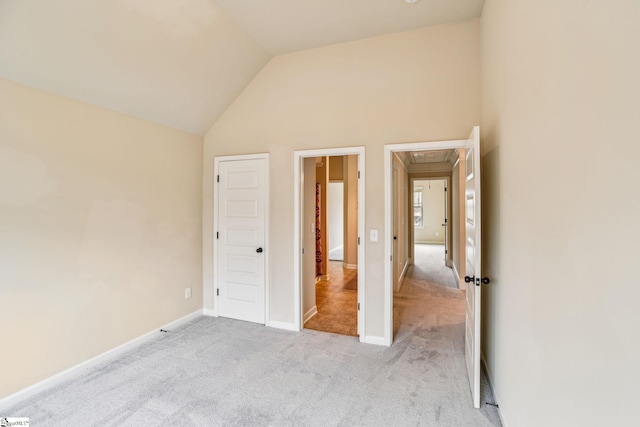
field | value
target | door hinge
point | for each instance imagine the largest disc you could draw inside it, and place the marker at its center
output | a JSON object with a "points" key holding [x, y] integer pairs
{"points": [[217, 235], [217, 178], [358, 174], [446, 251], [358, 239], [391, 258], [445, 188], [218, 292], [358, 306], [302, 251]]}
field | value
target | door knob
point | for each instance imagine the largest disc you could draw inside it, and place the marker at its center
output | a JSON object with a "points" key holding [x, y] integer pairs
{"points": [[395, 237], [259, 250], [477, 280]]}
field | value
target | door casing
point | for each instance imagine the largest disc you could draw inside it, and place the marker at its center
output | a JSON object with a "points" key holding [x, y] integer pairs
{"points": [[298, 210], [389, 150]]}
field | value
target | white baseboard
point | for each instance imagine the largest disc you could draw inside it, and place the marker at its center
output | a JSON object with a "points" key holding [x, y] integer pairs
{"points": [[283, 325], [493, 389], [402, 274], [368, 339], [461, 285], [209, 312], [310, 313], [350, 266], [83, 367]]}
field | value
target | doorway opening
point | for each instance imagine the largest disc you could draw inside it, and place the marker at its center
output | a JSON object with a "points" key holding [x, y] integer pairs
{"points": [[432, 259], [328, 225], [452, 322], [419, 165]]}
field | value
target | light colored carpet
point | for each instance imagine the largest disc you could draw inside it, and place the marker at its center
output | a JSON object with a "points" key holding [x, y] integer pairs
{"points": [[428, 264], [336, 254], [222, 372]]}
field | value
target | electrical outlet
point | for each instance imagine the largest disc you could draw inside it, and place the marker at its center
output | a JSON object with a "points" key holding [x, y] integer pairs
{"points": [[187, 293]]}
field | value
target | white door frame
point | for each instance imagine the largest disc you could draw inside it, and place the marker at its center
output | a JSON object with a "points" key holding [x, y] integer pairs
{"points": [[448, 201], [298, 209], [216, 168], [389, 149]]}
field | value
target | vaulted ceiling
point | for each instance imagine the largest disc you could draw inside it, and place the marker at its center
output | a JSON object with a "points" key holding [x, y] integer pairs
{"points": [[181, 63]]}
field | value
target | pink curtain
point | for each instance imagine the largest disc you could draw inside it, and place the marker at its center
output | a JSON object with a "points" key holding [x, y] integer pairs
{"points": [[318, 234]]}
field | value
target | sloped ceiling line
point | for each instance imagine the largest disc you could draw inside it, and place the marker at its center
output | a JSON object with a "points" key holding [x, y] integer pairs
{"points": [[181, 63]]}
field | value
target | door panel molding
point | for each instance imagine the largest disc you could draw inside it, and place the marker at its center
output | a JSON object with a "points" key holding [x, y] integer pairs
{"points": [[238, 179]]}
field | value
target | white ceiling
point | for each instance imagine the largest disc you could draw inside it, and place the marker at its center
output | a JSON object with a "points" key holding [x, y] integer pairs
{"points": [[433, 156], [182, 62]]}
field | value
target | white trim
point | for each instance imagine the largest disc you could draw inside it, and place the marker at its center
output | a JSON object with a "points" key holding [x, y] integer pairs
{"points": [[267, 252], [309, 314], [283, 325], [209, 312], [85, 366], [374, 340], [457, 274], [402, 275], [493, 389], [298, 156], [389, 150]]}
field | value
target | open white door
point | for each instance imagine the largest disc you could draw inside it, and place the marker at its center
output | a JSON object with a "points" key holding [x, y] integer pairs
{"points": [[447, 260], [473, 275], [242, 191]]}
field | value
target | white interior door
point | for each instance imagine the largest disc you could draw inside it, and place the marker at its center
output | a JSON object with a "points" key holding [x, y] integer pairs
{"points": [[241, 239], [473, 273], [396, 258]]}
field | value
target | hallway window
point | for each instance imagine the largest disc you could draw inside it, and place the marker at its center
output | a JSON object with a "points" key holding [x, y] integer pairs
{"points": [[417, 206]]}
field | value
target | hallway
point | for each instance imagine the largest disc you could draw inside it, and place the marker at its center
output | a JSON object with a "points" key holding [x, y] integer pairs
{"points": [[429, 266]]}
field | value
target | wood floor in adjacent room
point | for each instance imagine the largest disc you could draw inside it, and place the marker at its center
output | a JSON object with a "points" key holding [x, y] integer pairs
{"points": [[337, 302]]}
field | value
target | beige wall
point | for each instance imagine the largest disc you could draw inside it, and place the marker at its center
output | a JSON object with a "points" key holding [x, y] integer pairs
{"points": [[309, 236], [457, 218], [335, 168], [560, 210], [433, 213], [413, 86], [350, 226], [100, 231]]}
